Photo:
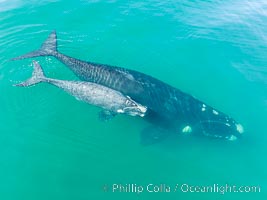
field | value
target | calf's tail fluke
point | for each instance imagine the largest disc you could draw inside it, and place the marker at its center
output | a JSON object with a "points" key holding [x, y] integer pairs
{"points": [[48, 48], [37, 76]]}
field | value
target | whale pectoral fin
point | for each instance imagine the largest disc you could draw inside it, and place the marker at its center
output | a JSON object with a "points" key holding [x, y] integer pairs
{"points": [[151, 135], [106, 115]]}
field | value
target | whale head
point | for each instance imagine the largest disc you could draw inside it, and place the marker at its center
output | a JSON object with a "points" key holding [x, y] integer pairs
{"points": [[133, 108], [229, 130], [215, 124]]}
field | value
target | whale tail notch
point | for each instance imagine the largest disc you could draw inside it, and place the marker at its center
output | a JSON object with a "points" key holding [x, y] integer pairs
{"points": [[48, 48], [37, 76]]}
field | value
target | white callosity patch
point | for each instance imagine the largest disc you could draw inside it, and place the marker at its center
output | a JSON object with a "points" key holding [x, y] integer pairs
{"points": [[239, 128], [120, 111], [203, 108], [142, 108], [232, 138], [215, 112], [187, 129]]}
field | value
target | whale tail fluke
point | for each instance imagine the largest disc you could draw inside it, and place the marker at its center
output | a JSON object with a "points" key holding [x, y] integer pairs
{"points": [[48, 48], [37, 76]]}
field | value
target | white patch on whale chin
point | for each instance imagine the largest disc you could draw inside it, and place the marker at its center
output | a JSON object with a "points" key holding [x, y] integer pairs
{"points": [[187, 129], [239, 128], [120, 111], [142, 115]]}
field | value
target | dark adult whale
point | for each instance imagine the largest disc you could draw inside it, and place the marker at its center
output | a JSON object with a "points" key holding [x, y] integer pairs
{"points": [[168, 107]]}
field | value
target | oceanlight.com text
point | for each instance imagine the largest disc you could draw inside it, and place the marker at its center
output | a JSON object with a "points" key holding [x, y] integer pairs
{"points": [[181, 188]]}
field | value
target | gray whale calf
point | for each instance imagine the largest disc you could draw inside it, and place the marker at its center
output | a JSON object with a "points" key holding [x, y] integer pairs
{"points": [[111, 101], [168, 108]]}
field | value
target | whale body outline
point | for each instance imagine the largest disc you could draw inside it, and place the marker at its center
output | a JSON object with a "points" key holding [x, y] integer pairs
{"points": [[111, 101], [168, 107]]}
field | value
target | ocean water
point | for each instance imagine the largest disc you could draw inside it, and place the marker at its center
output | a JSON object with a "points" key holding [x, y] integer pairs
{"points": [[55, 147]]}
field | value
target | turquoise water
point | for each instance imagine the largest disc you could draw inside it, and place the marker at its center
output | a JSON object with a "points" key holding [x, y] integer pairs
{"points": [[54, 147]]}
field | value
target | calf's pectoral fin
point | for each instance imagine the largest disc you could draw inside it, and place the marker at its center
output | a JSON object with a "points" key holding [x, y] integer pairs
{"points": [[106, 115]]}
